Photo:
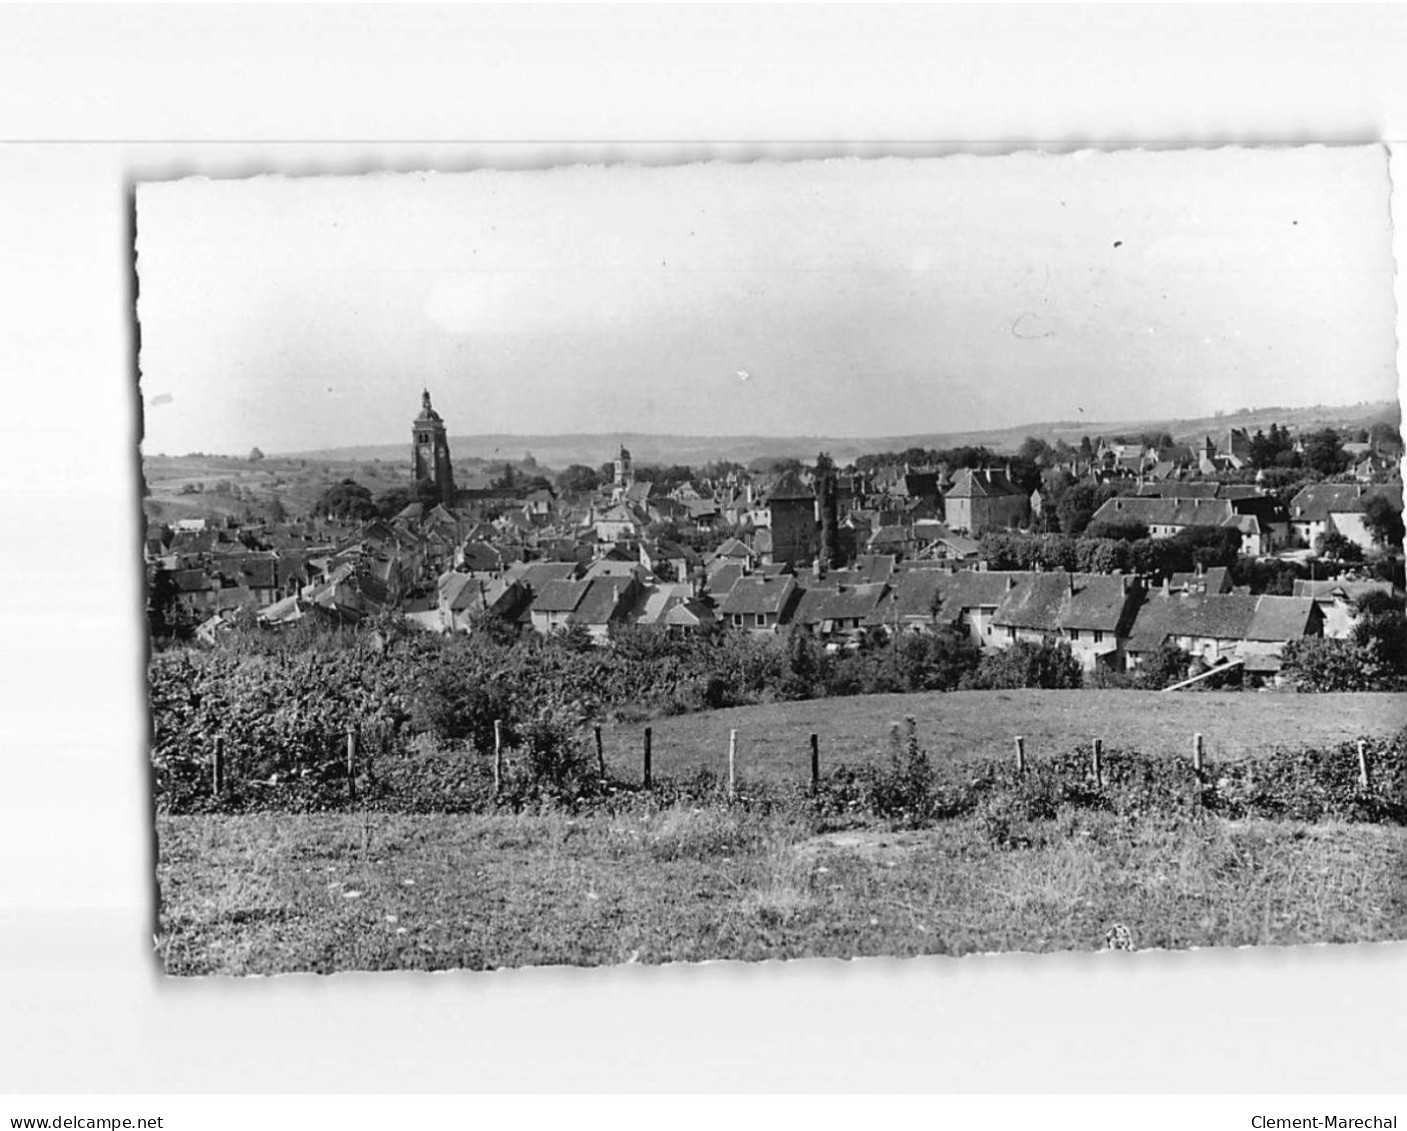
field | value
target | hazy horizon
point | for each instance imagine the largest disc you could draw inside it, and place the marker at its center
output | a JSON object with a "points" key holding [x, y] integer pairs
{"points": [[856, 298]]}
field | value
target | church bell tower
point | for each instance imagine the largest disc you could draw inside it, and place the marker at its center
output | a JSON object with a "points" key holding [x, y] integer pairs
{"points": [[429, 452]]}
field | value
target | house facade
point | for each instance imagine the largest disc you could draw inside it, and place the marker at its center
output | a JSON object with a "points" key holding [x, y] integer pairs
{"points": [[984, 499]]}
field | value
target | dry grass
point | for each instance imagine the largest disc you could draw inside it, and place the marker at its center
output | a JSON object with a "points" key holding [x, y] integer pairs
{"points": [[266, 893]]}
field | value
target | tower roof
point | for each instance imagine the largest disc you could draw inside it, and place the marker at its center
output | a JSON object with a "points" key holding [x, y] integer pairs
{"points": [[427, 412]]}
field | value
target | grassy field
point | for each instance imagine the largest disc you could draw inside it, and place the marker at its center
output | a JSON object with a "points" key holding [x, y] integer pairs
{"points": [[325, 892], [773, 740]]}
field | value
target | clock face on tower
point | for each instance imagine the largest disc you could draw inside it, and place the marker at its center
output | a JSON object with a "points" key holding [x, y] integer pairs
{"points": [[426, 458]]}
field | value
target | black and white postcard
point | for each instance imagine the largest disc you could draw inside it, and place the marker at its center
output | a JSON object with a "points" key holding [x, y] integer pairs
{"points": [[824, 558]]}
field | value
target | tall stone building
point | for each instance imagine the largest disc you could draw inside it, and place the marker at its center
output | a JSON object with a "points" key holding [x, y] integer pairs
{"points": [[429, 451], [795, 531]]}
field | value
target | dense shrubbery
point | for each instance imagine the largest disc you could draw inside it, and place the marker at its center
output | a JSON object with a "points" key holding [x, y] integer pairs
{"points": [[1319, 663], [1372, 658], [1048, 664]]}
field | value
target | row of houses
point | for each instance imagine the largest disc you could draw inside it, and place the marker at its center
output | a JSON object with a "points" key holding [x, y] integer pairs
{"points": [[1108, 620], [1264, 524]]}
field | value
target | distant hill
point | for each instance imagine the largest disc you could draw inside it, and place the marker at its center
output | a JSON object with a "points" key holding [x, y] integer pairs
{"points": [[557, 451]]}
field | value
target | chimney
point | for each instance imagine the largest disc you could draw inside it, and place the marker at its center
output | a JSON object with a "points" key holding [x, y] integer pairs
{"points": [[1070, 577]]}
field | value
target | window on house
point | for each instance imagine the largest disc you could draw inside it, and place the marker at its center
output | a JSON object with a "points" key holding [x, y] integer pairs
{"points": [[1011, 634], [1074, 634], [737, 620], [1098, 636], [761, 619]]}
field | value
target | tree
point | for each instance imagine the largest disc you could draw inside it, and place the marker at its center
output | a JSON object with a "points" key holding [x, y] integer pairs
{"points": [[395, 499], [347, 499], [255, 455], [1285, 482], [1381, 631], [1323, 451], [1123, 530], [1034, 450], [1386, 434], [1049, 664], [1321, 663], [1268, 447], [1165, 667], [1336, 547], [1205, 546], [1383, 522], [166, 616], [578, 479], [1078, 504], [933, 661]]}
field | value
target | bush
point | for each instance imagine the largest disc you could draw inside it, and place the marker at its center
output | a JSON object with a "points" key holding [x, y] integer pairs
{"points": [[453, 709], [1168, 665], [1318, 663], [901, 790], [1049, 664]]}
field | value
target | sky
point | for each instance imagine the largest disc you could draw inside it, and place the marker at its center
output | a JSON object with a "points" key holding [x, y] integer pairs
{"points": [[854, 297]]}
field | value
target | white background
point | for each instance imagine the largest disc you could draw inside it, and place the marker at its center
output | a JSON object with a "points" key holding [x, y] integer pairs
{"points": [[82, 1006]]}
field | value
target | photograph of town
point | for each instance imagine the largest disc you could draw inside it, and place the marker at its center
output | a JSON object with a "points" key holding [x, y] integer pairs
{"points": [[774, 560]]}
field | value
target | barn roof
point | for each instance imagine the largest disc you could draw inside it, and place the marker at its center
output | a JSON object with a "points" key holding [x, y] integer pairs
{"points": [[559, 596], [1050, 602], [1221, 616], [603, 601], [750, 595], [1316, 501], [1168, 511], [910, 595]]}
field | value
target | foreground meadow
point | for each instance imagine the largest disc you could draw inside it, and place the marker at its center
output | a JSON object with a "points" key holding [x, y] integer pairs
{"points": [[271, 893]]}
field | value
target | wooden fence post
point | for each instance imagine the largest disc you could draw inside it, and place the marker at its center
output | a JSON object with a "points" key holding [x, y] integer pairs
{"points": [[1197, 752], [1020, 755], [217, 771], [351, 763], [1099, 763], [732, 764], [497, 756], [815, 763], [1365, 772], [600, 752], [648, 779]]}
